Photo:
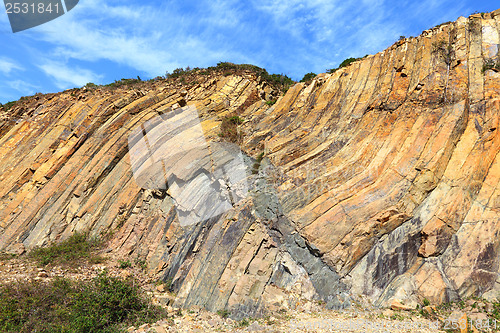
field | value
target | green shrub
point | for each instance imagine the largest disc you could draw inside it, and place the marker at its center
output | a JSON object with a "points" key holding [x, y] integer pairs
{"points": [[491, 64], [444, 50], [7, 256], [256, 165], [308, 77], [188, 75], [426, 302], [7, 106], [280, 81], [478, 12], [124, 264], [423, 313], [229, 129], [271, 102], [72, 251], [344, 63], [123, 82], [168, 284], [104, 304], [141, 263], [223, 65], [91, 85], [178, 72], [397, 316], [236, 120], [182, 72], [223, 313], [243, 323], [347, 62], [496, 309]]}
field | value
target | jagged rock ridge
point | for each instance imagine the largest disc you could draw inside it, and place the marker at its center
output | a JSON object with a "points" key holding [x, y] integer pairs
{"points": [[381, 179]]}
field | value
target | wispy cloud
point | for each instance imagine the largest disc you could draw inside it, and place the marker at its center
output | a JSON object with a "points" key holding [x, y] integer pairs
{"points": [[7, 66], [95, 39], [23, 86], [140, 36], [68, 77], [323, 31], [330, 22], [125, 38], [13, 89]]}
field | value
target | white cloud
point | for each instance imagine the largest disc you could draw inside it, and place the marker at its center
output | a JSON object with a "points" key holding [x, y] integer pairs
{"points": [[285, 36], [141, 37], [139, 52], [332, 29], [66, 77], [11, 90], [8, 65], [22, 86]]}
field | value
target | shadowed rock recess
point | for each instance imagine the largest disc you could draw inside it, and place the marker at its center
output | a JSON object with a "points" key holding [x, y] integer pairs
{"points": [[380, 179]]}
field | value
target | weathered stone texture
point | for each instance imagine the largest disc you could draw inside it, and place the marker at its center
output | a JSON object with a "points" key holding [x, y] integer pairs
{"points": [[382, 178]]}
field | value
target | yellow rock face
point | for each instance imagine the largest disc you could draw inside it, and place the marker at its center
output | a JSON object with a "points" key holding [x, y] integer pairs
{"points": [[387, 168]]}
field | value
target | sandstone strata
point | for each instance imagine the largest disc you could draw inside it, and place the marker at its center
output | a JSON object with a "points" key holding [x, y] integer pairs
{"points": [[380, 179]]}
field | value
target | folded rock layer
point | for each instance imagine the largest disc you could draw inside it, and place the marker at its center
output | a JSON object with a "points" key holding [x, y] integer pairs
{"points": [[380, 179]]}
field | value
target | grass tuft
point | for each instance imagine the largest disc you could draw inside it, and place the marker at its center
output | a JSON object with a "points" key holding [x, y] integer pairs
{"points": [[223, 313], [124, 264], [229, 129], [70, 252], [244, 323]]}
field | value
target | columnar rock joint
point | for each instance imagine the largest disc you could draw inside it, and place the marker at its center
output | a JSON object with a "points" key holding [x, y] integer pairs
{"points": [[382, 178]]}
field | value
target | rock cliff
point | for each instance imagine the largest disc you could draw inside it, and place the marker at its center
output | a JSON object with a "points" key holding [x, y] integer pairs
{"points": [[379, 179]]}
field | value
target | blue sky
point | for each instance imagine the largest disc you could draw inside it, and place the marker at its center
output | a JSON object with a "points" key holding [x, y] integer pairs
{"points": [[105, 40]]}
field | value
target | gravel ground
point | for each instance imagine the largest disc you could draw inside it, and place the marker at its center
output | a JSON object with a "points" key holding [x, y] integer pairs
{"points": [[308, 316]]}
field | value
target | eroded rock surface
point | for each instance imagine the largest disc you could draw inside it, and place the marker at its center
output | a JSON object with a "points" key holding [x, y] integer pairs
{"points": [[381, 179]]}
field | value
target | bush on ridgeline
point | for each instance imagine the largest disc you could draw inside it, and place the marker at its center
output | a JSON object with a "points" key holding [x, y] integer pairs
{"points": [[123, 82], [91, 85], [279, 81], [344, 63], [7, 106], [308, 77]]}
